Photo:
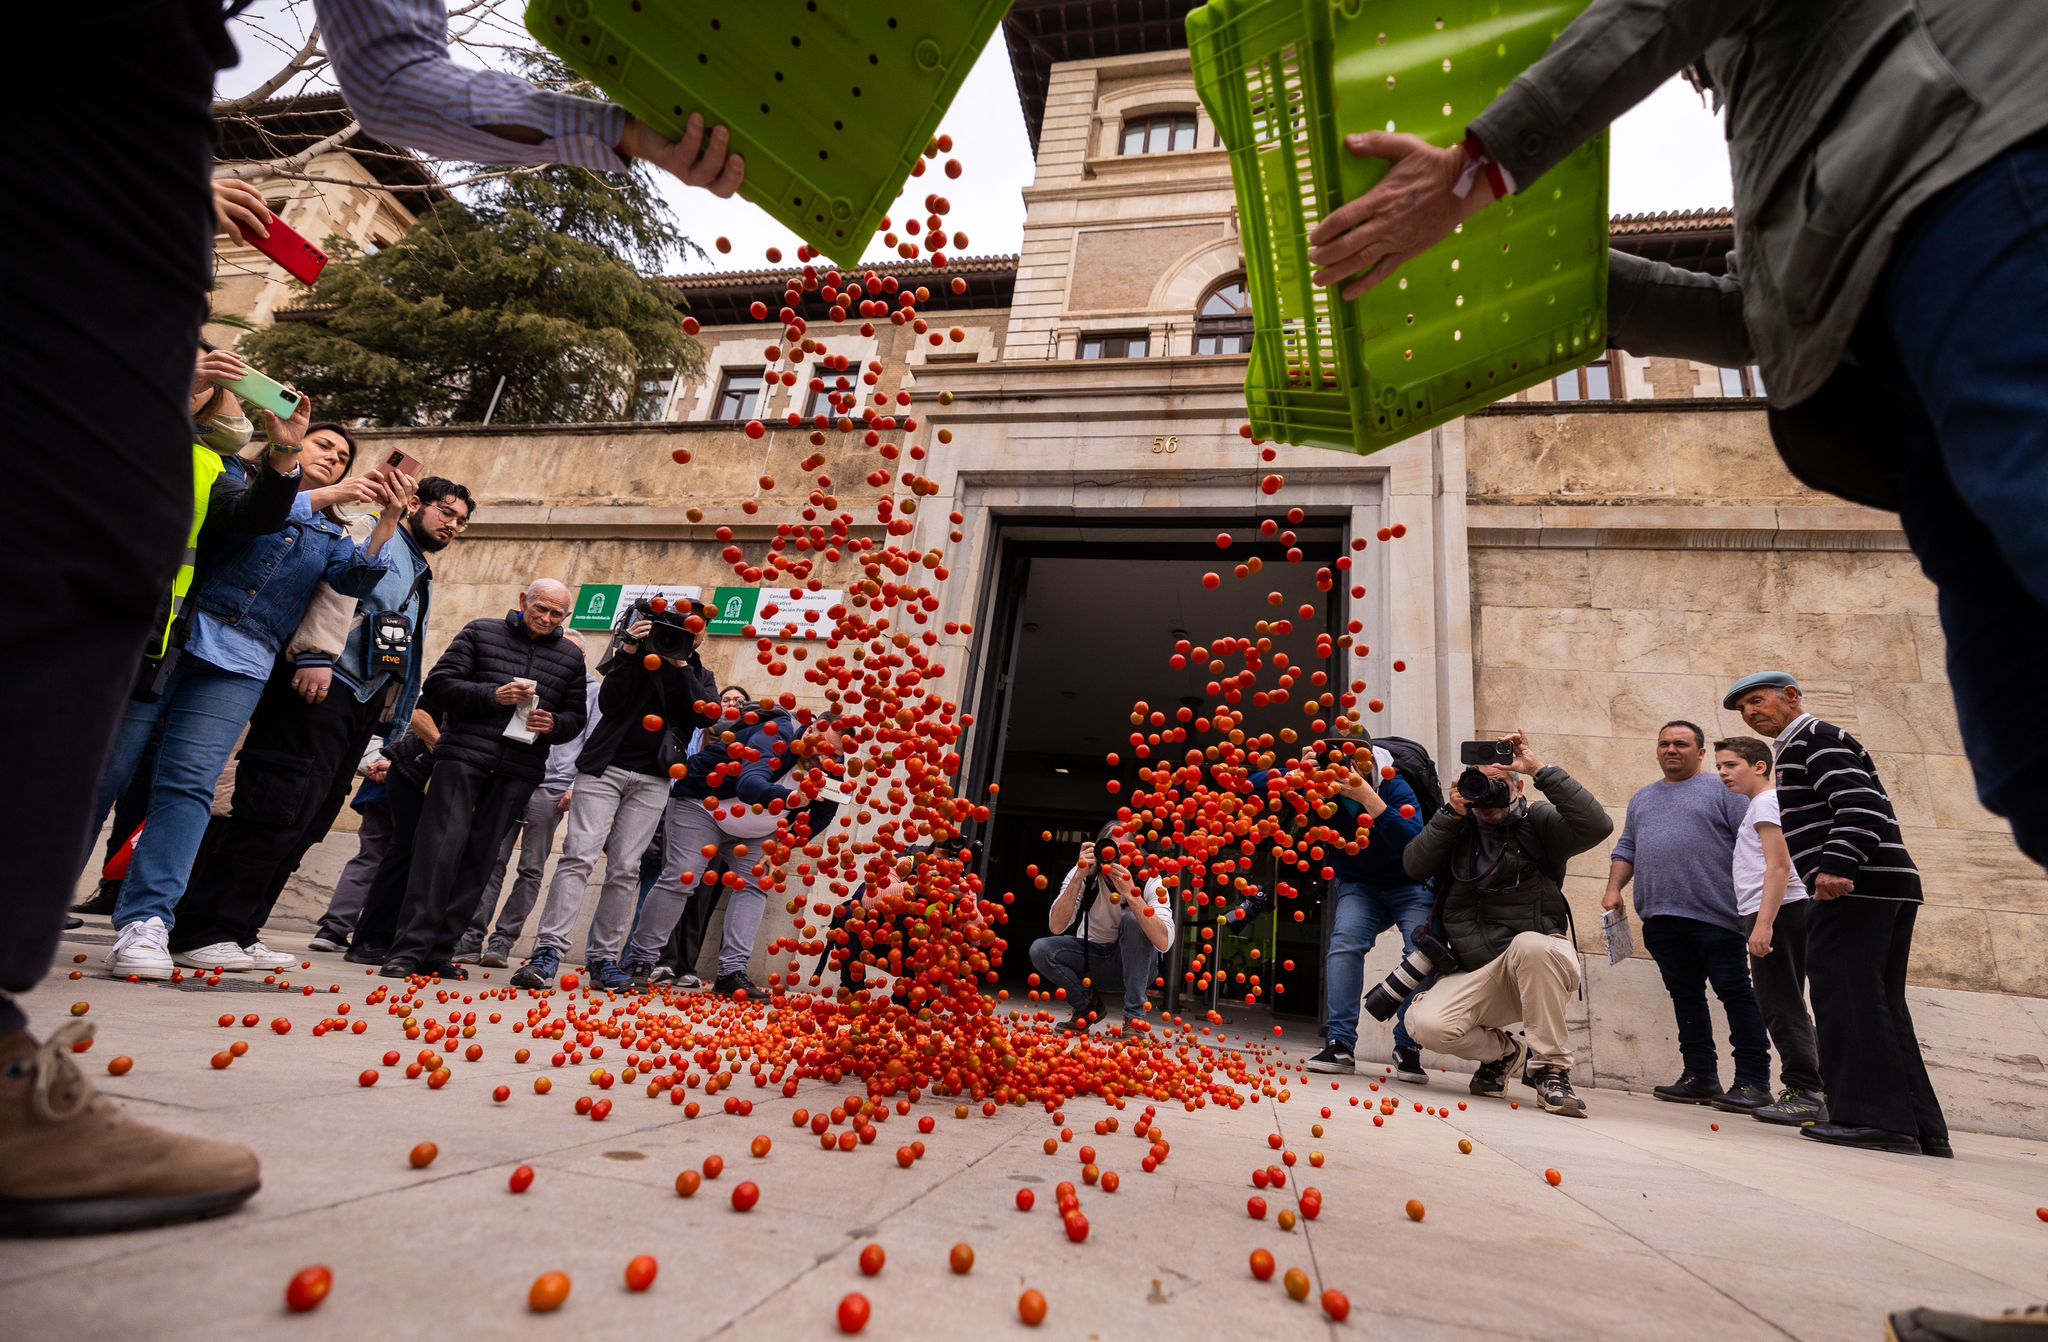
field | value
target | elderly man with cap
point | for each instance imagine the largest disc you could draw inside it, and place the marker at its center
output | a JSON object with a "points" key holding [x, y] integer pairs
{"points": [[1845, 844]]}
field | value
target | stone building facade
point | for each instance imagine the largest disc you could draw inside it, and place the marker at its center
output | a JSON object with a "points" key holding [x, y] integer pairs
{"points": [[1584, 562]]}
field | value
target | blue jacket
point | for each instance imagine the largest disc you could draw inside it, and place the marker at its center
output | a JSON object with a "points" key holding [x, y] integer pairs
{"points": [[406, 587], [261, 586], [763, 753], [1380, 863]]}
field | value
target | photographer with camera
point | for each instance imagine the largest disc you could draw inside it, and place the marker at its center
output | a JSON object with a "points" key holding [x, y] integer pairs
{"points": [[1117, 933], [1498, 861], [654, 681]]}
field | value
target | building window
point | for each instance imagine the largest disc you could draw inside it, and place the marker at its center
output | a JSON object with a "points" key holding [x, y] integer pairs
{"points": [[1223, 323], [739, 394], [820, 402], [1159, 134], [1597, 381], [652, 396], [1117, 345], [1741, 382]]}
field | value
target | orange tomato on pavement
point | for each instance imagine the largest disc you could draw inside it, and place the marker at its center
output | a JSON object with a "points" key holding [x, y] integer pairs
{"points": [[641, 1271], [1031, 1308], [549, 1290], [308, 1288]]}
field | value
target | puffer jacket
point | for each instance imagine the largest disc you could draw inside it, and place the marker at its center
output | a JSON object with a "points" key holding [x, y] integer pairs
{"points": [[1527, 895], [462, 690], [750, 770]]}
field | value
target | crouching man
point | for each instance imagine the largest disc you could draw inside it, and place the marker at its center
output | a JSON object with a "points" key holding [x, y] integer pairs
{"points": [[1499, 862]]}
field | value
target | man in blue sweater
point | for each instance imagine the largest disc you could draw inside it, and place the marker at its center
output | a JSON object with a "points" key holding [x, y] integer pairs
{"points": [[1377, 814]]}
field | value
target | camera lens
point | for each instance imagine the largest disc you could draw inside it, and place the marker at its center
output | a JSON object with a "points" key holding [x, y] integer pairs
{"points": [[1483, 789]]}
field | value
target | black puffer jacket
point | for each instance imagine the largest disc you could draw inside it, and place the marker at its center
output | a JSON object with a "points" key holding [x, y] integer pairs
{"points": [[462, 690], [1526, 894]]}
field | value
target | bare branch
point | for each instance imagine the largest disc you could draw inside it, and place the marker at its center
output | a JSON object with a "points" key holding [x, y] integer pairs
{"points": [[309, 57], [279, 167], [397, 188]]}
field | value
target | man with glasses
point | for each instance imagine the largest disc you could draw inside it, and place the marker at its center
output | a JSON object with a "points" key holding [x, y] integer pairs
{"points": [[351, 671], [505, 692]]}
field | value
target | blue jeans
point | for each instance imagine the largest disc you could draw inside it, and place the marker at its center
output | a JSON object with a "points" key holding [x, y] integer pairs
{"points": [[1130, 961], [204, 710], [1956, 328], [1363, 912]]}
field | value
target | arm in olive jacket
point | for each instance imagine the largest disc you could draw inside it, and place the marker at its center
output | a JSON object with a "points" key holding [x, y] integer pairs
{"points": [[1573, 821]]}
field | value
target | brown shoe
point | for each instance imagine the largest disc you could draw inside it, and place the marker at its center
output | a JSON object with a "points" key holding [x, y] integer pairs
{"points": [[71, 1163]]}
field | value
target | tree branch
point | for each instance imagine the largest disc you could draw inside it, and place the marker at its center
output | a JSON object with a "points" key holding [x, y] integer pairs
{"points": [[309, 57], [280, 167]]}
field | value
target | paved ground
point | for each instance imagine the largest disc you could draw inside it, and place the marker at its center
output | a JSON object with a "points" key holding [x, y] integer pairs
{"points": [[1661, 1226]]}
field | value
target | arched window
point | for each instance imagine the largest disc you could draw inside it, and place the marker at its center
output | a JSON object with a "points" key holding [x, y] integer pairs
{"points": [[1223, 322]]}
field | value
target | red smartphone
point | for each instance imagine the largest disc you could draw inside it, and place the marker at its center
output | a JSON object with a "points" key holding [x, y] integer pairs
{"points": [[288, 249]]}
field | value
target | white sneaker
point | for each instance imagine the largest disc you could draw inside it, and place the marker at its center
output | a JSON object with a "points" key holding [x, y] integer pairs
{"points": [[264, 958], [141, 950], [220, 955]]}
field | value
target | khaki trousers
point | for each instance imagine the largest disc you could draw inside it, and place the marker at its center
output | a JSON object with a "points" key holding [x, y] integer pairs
{"points": [[1469, 1014]]}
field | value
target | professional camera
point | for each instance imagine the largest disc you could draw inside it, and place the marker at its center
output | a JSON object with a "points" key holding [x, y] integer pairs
{"points": [[668, 637], [1429, 956], [1483, 789]]}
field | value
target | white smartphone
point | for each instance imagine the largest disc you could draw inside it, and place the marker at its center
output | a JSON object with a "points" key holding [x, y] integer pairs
{"points": [[265, 393]]}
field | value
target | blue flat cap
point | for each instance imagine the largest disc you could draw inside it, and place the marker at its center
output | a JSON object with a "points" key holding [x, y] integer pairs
{"points": [[1762, 680]]}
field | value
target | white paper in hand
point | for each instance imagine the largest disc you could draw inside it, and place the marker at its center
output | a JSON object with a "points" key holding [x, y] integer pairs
{"points": [[1621, 943]]}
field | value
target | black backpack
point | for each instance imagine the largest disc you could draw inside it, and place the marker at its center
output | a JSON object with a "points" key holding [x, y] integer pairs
{"points": [[1417, 770]]}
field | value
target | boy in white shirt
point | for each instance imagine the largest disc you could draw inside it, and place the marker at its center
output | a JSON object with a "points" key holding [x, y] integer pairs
{"points": [[1772, 904]]}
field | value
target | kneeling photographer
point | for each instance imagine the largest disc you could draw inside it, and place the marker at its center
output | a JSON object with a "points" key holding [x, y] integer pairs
{"points": [[1499, 861]]}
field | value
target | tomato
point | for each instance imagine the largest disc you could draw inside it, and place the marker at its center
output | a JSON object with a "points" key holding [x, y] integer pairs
{"points": [[1553, 1178], [120, 1066], [962, 1259], [1256, 1207], [871, 1259], [761, 1146], [641, 1271], [423, 1155], [502, 1094], [745, 1196], [1031, 1308], [549, 1290], [1026, 1199], [308, 1288], [522, 1179], [1296, 1282], [853, 1312], [1337, 1305], [1415, 1209], [687, 1183], [1262, 1264], [714, 1166], [1077, 1226]]}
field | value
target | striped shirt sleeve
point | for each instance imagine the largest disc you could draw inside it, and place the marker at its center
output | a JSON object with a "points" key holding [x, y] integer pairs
{"points": [[391, 58]]}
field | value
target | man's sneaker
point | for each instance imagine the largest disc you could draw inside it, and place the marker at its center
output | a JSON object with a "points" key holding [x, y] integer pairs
{"points": [[2026, 1324], [661, 975], [689, 982], [361, 954], [1333, 1058], [638, 975], [142, 950], [607, 975], [541, 971], [71, 1163], [1491, 1080], [220, 955], [735, 983], [328, 942], [495, 956], [1408, 1066], [1691, 1089], [468, 951], [263, 958], [1794, 1109], [1554, 1092], [1744, 1097]]}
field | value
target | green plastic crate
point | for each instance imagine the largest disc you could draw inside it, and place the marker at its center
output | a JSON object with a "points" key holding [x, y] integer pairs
{"points": [[1518, 296], [830, 101]]}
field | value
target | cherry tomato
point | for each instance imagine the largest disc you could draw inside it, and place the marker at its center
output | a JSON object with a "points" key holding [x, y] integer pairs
{"points": [[1262, 1264], [1415, 1209], [1026, 1199], [745, 1195], [853, 1312], [1553, 1178], [761, 1146], [549, 1290], [423, 1155], [871, 1259], [641, 1271], [1296, 1282], [120, 1066], [1031, 1308], [308, 1288], [522, 1179], [962, 1259], [714, 1166], [1337, 1305], [687, 1183], [1255, 1206]]}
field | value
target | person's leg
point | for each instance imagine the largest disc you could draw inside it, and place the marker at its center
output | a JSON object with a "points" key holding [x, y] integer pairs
{"points": [[690, 830], [1355, 922], [498, 804], [378, 923], [1850, 945], [1137, 965], [373, 838], [743, 909], [1070, 966], [642, 799], [131, 808], [1781, 996], [318, 821], [204, 717], [445, 826], [1466, 1015], [1959, 308], [1670, 942], [1411, 906], [493, 886], [592, 807], [1544, 973], [1726, 957], [544, 816], [1929, 1124]]}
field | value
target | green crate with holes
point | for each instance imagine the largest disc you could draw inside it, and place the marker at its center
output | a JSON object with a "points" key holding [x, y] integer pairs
{"points": [[830, 101], [1517, 296]]}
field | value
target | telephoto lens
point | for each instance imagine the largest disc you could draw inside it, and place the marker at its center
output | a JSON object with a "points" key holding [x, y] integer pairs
{"points": [[1429, 956]]}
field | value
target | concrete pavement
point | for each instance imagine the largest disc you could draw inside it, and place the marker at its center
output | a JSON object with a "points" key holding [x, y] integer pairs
{"points": [[1661, 1225]]}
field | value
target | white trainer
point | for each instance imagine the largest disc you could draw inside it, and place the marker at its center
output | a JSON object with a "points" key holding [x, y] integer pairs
{"points": [[264, 958], [142, 950], [220, 955]]}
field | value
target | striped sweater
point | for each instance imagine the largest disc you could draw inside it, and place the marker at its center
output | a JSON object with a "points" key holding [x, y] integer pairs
{"points": [[1838, 820]]}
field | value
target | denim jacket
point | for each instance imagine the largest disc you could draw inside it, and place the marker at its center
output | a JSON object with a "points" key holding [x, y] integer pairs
{"points": [[260, 586], [406, 587]]}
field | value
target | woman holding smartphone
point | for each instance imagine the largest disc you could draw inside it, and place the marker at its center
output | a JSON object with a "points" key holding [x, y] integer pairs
{"points": [[252, 596]]}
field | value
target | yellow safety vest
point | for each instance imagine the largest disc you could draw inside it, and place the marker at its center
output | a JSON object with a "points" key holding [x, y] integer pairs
{"points": [[206, 468]]}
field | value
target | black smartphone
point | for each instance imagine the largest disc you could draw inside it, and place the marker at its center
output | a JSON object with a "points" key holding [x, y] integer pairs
{"points": [[1474, 753]]}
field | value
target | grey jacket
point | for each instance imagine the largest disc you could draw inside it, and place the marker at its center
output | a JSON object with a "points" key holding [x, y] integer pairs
{"points": [[1844, 116]]}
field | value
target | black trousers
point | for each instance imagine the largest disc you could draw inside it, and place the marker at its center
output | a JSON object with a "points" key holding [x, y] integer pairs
{"points": [[1856, 954], [469, 812], [105, 296], [1780, 980], [377, 926], [291, 781], [1690, 954]]}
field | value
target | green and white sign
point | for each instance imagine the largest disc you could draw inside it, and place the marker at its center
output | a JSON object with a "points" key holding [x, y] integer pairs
{"points": [[771, 612], [598, 604]]}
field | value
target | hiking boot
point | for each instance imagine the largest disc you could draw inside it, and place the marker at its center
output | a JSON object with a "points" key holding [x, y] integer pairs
{"points": [[495, 956], [1554, 1092], [71, 1163], [1333, 1058], [541, 971], [638, 975], [328, 942], [1744, 1097], [264, 959], [607, 975], [1794, 1108], [735, 983], [142, 950], [1491, 1080], [1691, 1089], [1408, 1066], [468, 950], [100, 902], [2029, 1324]]}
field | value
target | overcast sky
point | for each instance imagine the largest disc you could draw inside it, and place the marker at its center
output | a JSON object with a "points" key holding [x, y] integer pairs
{"points": [[1668, 154]]}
